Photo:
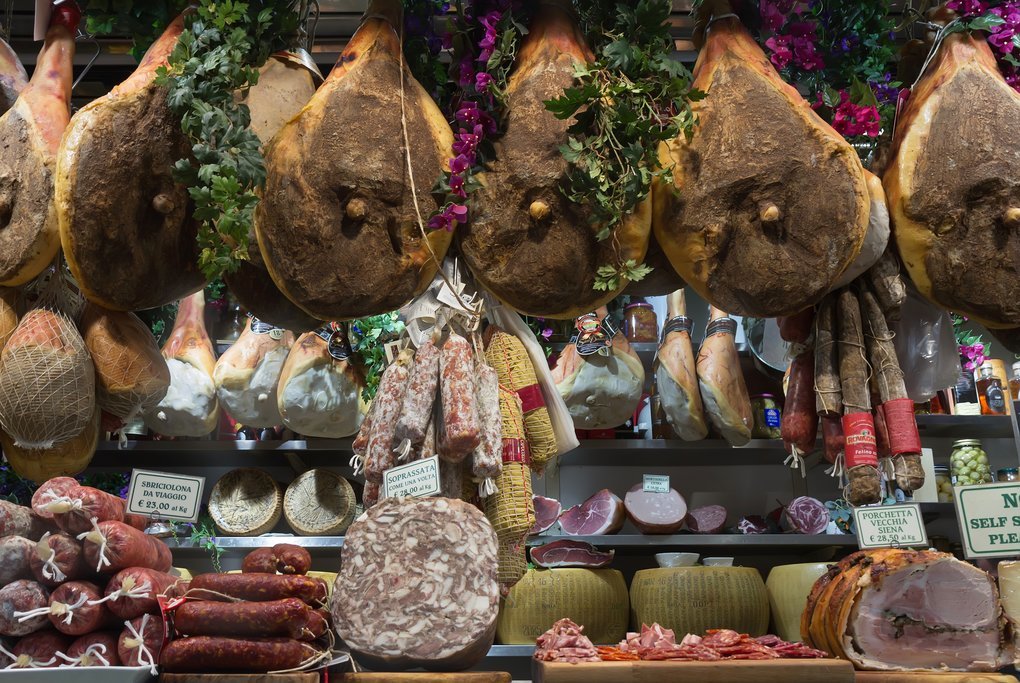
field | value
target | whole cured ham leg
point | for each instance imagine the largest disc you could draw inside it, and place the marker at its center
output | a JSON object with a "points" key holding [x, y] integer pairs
{"points": [[190, 407], [526, 242], [771, 204], [125, 224], [877, 239], [248, 373], [676, 375], [954, 184], [727, 405], [13, 77], [337, 224], [31, 130]]}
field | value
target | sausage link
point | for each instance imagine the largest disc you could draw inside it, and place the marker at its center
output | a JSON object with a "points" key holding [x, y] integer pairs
{"points": [[202, 654], [57, 487], [15, 558], [39, 650], [259, 587], [282, 557], [88, 648], [422, 383], [113, 546], [800, 420], [57, 558], [22, 596], [15, 520], [487, 458], [130, 646], [379, 455], [137, 590], [87, 614], [285, 618], [460, 434], [832, 437]]}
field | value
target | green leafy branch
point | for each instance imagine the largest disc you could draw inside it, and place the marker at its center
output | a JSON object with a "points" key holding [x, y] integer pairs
{"points": [[201, 534], [634, 96], [219, 53], [369, 337]]}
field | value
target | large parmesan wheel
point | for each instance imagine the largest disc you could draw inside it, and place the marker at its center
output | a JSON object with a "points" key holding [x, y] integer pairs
{"points": [[63, 460], [319, 503], [245, 502]]}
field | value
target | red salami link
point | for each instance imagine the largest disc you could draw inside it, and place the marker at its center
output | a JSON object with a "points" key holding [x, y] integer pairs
{"points": [[134, 591], [282, 557], [57, 558], [832, 437], [94, 649], [22, 596], [487, 458], [800, 419], [141, 641], [15, 558], [258, 587], [360, 443], [58, 487], [371, 495], [882, 430], [202, 654], [318, 623], [422, 383], [76, 608], [112, 546], [287, 618], [74, 511], [796, 328], [39, 650], [379, 455], [459, 434]]}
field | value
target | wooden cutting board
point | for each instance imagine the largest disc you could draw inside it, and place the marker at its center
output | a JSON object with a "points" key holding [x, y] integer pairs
{"points": [[480, 677], [305, 677], [931, 677], [773, 671]]}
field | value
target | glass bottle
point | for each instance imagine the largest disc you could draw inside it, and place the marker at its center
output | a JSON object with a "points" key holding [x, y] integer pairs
{"points": [[1014, 383], [990, 393], [642, 325], [968, 463]]}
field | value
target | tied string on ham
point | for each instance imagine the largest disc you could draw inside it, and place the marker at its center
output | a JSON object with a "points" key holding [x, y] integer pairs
{"points": [[58, 504], [128, 589], [56, 609], [137, 642], [50, 570], [95, 651], [97, 536]]}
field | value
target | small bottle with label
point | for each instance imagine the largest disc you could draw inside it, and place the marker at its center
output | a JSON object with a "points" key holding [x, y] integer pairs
{"points": [[1014, 382], [990, 393], [767, 417]]}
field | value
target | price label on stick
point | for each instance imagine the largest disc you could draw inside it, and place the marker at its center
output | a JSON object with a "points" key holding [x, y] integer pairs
{"points": [[165, 496], [656, 483], [890, 526], [418, 479]]}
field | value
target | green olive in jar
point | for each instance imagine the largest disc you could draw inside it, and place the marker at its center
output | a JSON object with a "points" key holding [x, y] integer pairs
{"points": [[968, 463]]}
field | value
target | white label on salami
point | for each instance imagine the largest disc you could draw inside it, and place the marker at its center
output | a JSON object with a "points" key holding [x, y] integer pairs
{"points": [[418, 479], [890, 526], [656, 483], [161, 495]]}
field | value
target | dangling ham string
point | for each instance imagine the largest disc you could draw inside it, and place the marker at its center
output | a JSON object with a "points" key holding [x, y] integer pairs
{"points": [[50, 570], [127, 590], [56, 609], [838, 468], [99, 538], [136, 641]]}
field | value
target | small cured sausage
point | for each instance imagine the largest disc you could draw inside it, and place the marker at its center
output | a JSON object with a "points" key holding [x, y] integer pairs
{"points": [[202, 654], [284, 558], [112, 546], [94, 649], [653, 512], [15, 555], [74, 511], [133, 592], [371, 495], [379, 455], [57, 487], [258, 588], [487, 459], [141, 641], [18, 597], [57, 558], [286, 618], [76, 608], [800, 419], [39, 650], [460, 433], [15, 520], [422, 383], [832, 437]]}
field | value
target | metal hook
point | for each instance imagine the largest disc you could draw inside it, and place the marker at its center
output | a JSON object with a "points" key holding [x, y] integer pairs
{"points": [[88, 67], [315, 26]]}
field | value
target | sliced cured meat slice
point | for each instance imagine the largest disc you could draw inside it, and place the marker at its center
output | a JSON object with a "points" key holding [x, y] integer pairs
{"points": [[600, 514], [708, 519], [547, 511], [568, 553], [653, 512]]}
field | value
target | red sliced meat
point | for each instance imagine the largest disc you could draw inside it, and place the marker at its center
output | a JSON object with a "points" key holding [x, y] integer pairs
{"points": [[547, 511], [568, 553], [601, 514], [708, 519]]}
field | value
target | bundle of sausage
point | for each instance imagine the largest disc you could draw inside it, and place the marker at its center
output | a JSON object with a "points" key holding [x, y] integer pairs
{"points": [[254, 622]]}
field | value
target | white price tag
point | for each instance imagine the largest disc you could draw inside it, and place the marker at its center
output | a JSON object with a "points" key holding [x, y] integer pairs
{"points": [[417, 479], [989, 516], [656, 483], [165, 496], [890, 526]]}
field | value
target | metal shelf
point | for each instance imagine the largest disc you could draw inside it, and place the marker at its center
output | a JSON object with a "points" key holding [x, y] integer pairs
{"points": [[255, 542], [512, 651], [747, 541], [965, 426]]}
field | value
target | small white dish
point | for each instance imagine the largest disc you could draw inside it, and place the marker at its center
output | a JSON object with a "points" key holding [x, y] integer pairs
{"points": [[676, 559], [718, 561]]}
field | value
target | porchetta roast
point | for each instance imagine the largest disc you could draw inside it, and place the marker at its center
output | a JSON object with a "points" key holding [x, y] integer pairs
{"points": [[31, 130], [337, 225], [771, 204], [900, 610], [954, 184], [125, 224], [526, 242]]}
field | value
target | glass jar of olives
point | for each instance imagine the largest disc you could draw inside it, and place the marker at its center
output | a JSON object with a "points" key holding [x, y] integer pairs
{"points": [[944, 484], [968, 463]]}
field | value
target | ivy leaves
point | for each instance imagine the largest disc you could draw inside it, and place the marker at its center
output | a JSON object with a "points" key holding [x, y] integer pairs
{"points": [[219, 52], [368, 341], [631, 98]]}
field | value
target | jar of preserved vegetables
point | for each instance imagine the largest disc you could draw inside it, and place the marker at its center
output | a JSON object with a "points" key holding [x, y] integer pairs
{"points": [[1007, 474], [943, 483], [767, 417], [642, 325], [968, 463]]}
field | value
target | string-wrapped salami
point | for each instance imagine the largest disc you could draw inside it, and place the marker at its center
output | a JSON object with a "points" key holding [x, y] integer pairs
{"points": [[93, 649], [864, 481], [141, 641], [379, 454], [54, 488], [39, 650], [134, 591], [112, 546], [828, 395], [897, 408], [57, 558], [15, 558], [460, 432], [20, 598], [416, 411], [487, 458], [79, 505], [74, 608], [18, 520], [799, 427]]}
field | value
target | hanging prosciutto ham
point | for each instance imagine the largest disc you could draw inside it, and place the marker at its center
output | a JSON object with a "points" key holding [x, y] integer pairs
{"points": [[676, 375], [723, 391], [247, 374]]}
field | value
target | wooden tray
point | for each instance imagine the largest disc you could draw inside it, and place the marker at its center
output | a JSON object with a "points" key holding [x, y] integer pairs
{"points": [[931, 677], [304, 677], [481, 677], [772, 671]]}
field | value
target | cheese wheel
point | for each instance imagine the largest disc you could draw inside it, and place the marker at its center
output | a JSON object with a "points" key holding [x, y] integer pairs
{"points": [[245, 502], [319, 503], [63, 460]]}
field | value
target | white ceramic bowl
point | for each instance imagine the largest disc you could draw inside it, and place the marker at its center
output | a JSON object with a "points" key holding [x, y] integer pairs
{"points": [[676, 559], [718, 561]]}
